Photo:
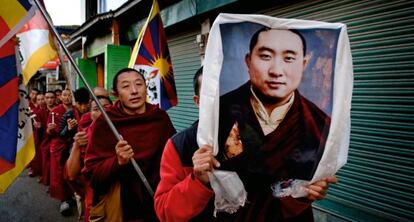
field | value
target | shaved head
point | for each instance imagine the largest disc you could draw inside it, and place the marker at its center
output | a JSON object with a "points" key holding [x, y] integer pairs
{"points": [[100, 91]]}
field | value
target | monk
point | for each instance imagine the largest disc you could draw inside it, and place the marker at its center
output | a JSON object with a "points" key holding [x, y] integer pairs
{"points": [[145, 128], [32, 106], [38, 134], [58, 187], [58, 93], [45, 144], [32, 98], [75, 162]]}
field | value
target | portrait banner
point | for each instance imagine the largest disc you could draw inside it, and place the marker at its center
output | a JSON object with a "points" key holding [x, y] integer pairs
{"points": [[275, 101]]}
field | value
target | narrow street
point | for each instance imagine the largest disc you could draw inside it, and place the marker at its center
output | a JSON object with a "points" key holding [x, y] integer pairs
{"points": [[27, 200]]}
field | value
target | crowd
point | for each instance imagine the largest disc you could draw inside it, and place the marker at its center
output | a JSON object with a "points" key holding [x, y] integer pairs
{"points": [[84, 165]]}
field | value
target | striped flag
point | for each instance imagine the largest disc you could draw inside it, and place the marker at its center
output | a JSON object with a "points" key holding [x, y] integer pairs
{"points": [[16, 136], [13, 15], [36, 45], [152, 57]]}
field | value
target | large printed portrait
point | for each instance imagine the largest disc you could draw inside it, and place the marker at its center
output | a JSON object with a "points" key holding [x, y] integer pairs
{"points": [[278, 92]]}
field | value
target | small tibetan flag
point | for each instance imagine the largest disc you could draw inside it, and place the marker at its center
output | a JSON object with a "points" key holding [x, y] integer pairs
{"points": [[152, 57]]}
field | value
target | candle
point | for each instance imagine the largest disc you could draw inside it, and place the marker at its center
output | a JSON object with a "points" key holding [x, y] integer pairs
{"points": [[53, 117]]}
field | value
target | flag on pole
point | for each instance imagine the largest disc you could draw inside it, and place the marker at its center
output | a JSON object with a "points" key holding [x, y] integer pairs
{"points": [[17, 146], [13, 15], [152, 57], [36, 45]]}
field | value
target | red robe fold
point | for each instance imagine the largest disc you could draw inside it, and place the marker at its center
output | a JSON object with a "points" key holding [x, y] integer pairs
{"points": [[147, 133]]}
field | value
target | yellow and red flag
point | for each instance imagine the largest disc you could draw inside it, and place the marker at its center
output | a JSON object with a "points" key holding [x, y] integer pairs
{"points": [[36, 45], [152, 57]]}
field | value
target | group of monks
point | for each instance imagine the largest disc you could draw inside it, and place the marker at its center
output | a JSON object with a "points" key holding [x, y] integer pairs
{"points": [[57, 122], [80, 159]]}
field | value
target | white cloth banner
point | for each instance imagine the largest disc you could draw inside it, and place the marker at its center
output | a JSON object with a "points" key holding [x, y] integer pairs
{"points": [[327, 83]]}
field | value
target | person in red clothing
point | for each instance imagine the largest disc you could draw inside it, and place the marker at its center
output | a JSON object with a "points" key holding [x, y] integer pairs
{"points": [[50, 99], [145, 128], [32, 106], [184, 194], [58, 187], [68, 128], [75, 162], [58, 93], [32, 98], [38, 134]]}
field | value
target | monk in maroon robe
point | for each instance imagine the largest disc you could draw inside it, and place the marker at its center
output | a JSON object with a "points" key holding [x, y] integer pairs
{"points": [[75, 162], [145, 128], [58, 187], [32, 98], [38, 134], [32, 106], [45, 144]]}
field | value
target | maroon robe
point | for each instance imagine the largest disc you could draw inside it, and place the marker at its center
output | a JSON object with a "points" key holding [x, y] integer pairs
{"points": [[38, 134], [79, 184], [31, 104], [147, 133], [45, 146], [58, 187]]}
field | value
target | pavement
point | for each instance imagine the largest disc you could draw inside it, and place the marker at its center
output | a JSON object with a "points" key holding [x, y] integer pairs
{"points": [[27, 200]]}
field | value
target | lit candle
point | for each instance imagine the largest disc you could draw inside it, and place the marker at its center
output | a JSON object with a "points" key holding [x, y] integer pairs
{"points": [[53, 117]]}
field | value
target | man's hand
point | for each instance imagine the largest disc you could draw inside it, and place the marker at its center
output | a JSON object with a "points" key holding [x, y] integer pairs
{"points": [[204, 162], [37, 125], [72, 123], [318, 190], [50, 127], [81, 138], [124, 152]]}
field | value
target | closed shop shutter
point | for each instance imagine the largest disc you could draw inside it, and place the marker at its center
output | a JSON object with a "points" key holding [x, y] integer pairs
{"points": [[88, 69], [377, 182], [186, 61], [116, 58]]}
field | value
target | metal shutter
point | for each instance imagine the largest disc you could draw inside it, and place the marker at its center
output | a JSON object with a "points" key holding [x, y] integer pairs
{"points": [[377, 182], [186, 61]]}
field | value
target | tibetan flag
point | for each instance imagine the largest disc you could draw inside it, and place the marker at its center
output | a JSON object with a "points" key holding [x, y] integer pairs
{"points": [[36, 45], [17, 146], [13, 15], [152, 57]]}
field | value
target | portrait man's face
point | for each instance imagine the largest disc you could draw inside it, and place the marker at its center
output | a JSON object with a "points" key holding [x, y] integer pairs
{"points": [[276, 64]]}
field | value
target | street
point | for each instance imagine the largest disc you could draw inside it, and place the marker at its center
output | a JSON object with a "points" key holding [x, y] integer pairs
{"points": [[27, 200]]}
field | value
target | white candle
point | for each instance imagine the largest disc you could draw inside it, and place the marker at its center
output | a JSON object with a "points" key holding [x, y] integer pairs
{"points": [[53, 117]]}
